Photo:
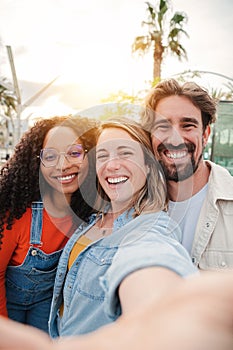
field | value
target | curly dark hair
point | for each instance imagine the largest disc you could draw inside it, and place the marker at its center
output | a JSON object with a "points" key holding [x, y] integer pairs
{"points": [[20, 176]]}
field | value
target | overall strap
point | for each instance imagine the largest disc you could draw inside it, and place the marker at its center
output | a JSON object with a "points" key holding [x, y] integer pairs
{"points": [[36, 223]]}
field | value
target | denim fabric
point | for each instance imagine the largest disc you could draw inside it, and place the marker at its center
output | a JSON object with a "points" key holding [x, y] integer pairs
{"points": [[29, 286], [89, 289]]}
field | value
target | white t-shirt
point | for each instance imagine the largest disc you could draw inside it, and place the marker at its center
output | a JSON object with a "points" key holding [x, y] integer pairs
{"points": [[186, 214]]}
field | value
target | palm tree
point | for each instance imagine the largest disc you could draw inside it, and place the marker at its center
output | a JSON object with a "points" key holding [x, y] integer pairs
{"points": [[8, 107], [8, 99], [163, 35]]}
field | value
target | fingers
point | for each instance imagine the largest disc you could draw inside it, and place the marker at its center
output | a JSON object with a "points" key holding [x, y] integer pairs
{"points": [[16, 336]]}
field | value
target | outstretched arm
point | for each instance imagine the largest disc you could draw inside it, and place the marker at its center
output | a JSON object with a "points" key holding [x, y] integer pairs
{"points": [[17, 336], [198, 314]]}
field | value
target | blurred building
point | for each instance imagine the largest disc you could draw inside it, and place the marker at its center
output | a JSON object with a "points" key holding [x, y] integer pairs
{"points": [[220, 146]]}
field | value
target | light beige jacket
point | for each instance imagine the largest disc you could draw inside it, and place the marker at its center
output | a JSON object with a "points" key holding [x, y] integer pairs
{"points": [[213, 242]]}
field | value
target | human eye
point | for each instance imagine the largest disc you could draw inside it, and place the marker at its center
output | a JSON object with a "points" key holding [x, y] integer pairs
{"points": [[125, 154], [161, 127], [75, 152], [189, 123], [49, 155], [189, 126], [101, 157]]}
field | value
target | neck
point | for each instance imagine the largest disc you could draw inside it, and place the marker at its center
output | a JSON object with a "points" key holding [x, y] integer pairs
{"points": [[108, 218], [182, 190], [118, 208], [57, 204]]}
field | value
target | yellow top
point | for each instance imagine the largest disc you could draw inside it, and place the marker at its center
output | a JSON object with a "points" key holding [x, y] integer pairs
{"points": [[80, 245]]}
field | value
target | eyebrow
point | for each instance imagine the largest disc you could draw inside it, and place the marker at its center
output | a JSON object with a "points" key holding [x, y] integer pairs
{"points": [[182, 120], [190, 119], [118, 148]]}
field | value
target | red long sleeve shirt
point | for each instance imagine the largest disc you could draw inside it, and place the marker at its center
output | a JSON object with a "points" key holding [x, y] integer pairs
{"points": [[16, 242]]}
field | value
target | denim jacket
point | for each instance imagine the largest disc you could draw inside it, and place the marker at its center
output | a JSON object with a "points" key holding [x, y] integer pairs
{"points": [[89, 290]]}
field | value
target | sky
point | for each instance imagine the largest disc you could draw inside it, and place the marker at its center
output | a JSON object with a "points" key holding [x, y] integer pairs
{"points": [[86, 46]]}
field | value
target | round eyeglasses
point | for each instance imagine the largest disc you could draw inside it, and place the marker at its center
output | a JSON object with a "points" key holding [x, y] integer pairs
{"points": [[74, 154]]}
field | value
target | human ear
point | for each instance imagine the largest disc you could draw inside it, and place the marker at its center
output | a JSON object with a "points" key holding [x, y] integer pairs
{"points": [[206, 135]]}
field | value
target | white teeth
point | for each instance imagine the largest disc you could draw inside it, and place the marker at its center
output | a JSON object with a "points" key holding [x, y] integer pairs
{"points": [[115, 180], [65, 178], [176, 155]]}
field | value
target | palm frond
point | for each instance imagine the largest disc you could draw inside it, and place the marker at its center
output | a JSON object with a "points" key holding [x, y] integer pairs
{"points": [[151, 9], [177, 49], [141, 43], [163, 8]]}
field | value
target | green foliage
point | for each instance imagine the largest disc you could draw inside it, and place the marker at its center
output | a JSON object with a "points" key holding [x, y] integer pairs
{"points": [[8, 108], [154, 82], [121, 104], [157, 39], [222, 92], [115, 110], [8, 101], [120, 97]]}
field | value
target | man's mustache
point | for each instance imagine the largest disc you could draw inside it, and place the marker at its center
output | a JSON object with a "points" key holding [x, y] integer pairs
{"points": [[190, 147]]}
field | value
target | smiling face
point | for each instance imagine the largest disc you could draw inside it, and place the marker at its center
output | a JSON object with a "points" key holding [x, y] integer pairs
{"points": [[66, 176], [178, 138], [120, 166]]}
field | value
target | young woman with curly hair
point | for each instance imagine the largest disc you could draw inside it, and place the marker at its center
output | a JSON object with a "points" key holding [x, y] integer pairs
{"points": [[44, 195]]}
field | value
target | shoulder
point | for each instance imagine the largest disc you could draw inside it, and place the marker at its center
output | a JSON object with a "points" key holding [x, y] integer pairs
{"points": [[25, 218], [151, 225], [217, 170], [219, 175], [220, 182]]}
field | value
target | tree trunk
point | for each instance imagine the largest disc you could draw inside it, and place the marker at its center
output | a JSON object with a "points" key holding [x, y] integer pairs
{"points": [[157, 70], [158, 55]]}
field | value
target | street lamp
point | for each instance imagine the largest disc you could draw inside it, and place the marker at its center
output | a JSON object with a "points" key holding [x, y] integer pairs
{"points": [[20, 107]]}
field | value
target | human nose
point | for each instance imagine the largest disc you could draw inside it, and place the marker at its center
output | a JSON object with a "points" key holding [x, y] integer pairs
{"points": [[113, 163], [62, 161], [175, 136]]}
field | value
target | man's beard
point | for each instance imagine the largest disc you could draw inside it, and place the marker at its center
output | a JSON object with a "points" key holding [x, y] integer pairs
{"points": [[179, 172]]}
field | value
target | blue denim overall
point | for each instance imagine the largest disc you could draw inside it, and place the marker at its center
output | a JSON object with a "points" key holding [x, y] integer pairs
{"points": [[29, 286]]}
